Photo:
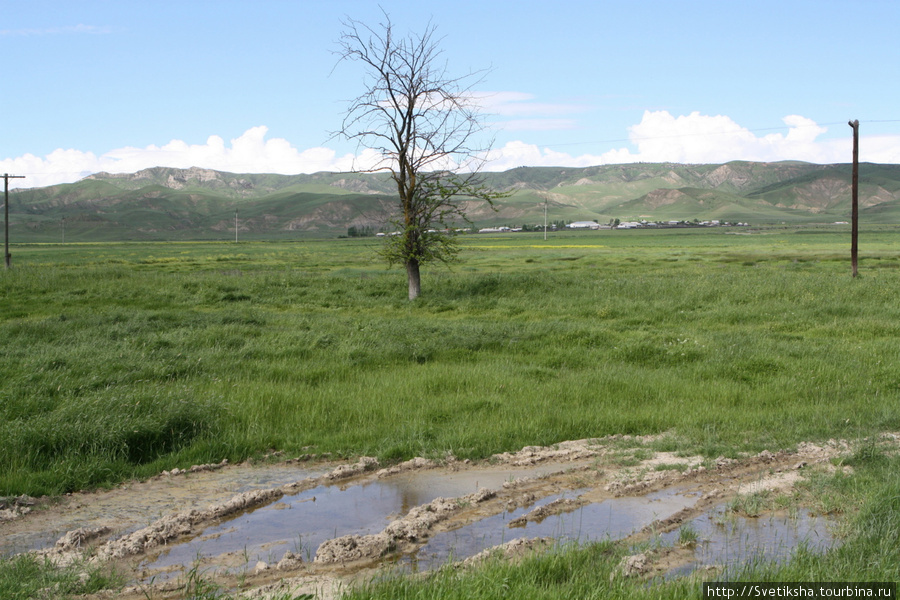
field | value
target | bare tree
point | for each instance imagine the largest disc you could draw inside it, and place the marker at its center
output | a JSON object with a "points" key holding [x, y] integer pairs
{"points": [[422, 123]]}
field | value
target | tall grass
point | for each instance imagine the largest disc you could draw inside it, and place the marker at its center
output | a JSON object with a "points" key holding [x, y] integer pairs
{"points": [[26, 577], [117, 361]]}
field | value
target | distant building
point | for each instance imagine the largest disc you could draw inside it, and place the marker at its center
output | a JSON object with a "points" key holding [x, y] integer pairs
{"points": [[584, 225]]}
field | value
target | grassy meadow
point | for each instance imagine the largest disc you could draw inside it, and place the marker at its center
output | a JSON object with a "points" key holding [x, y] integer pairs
{"points": [[121, 360]]}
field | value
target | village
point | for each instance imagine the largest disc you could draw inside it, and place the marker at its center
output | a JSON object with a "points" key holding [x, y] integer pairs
{"points": [[562, 225], [613, 224]]}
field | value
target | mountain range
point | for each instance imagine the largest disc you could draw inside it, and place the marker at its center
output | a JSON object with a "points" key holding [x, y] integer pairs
{"points": [[179, 204]]}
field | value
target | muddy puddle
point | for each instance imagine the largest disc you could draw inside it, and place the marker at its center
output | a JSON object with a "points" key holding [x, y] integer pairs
{"points": [[302, 523], [135, 505], [728, 541], [614, 518]]}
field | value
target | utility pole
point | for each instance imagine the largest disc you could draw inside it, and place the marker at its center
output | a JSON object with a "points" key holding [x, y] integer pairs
{"points": [[854, 216], [6, 178], [235, 225], [545, 219]]}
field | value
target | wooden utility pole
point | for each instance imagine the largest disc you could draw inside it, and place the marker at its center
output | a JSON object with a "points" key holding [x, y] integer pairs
{"points": [[6, 178], [545, 219], [854, 211]]}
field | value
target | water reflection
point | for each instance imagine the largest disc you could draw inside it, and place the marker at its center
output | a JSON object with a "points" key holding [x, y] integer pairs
{"points": [[614, 519], [732, 541], [301, 522]]}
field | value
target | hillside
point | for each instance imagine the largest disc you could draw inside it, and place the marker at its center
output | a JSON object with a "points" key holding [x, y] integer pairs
{"points": [[168, 203]]}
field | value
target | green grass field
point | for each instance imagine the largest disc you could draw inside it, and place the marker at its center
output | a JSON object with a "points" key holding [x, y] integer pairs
{"points": [[121, 360]]}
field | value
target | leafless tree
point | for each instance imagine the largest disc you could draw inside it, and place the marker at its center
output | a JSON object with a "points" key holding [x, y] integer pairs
{"points": [[422, 124]]}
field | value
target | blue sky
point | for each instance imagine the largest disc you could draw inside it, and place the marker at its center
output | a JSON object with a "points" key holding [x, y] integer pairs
{"points": [[255, 86]]}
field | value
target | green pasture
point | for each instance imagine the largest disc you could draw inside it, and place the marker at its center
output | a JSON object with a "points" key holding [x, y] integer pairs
{"points": [[120, 360]]}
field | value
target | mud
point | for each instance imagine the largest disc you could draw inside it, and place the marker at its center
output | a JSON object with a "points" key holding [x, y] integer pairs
{"points": [[315, 528], [137, 504], [726, 541]]}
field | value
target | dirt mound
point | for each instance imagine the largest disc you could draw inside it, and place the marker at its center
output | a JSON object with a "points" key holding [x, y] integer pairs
{"points": [[416, 524], [13, 508], [542, 512], [511, 549]]}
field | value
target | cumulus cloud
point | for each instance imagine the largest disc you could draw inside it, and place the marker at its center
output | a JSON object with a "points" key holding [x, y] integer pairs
{"points": [[659, 137], [249, 153], [521, 154], [696, 138]]}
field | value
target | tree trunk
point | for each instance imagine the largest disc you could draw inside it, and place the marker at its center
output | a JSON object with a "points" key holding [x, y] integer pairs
{"points": [[412, 273]]}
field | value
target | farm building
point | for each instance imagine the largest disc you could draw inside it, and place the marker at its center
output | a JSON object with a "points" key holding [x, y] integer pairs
{"points": [[584, 225]]}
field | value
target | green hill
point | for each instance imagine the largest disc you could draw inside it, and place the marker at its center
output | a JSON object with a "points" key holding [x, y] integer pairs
{"points": [[179, 204]]}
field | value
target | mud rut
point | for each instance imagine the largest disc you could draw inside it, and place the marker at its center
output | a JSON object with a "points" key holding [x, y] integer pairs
{"points": [[309, 527]]}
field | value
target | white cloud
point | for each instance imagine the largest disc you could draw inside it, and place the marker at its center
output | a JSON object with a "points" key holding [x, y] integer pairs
{"points": [[879, 149], [520, 154], [696, 138], [659, 137], [517, 111], [249, 153]]}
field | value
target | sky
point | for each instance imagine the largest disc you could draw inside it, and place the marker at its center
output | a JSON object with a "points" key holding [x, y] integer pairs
{"points": [[256, 86]]}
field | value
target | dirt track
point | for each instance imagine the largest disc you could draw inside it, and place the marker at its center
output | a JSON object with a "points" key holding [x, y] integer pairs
{"points": [[144, 527]]}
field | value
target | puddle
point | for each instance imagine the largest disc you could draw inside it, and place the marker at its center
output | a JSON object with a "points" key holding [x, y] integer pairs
{"points": [[731, 541], [614, 518], [301, 522], [135, 505], [341, 526]]}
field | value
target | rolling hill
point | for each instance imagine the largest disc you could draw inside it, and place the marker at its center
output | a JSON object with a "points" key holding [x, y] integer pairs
{"points": [[177, 204]]}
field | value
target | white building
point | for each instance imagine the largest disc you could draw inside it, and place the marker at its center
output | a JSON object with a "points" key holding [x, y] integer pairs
{"points": [[584, 225]]}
